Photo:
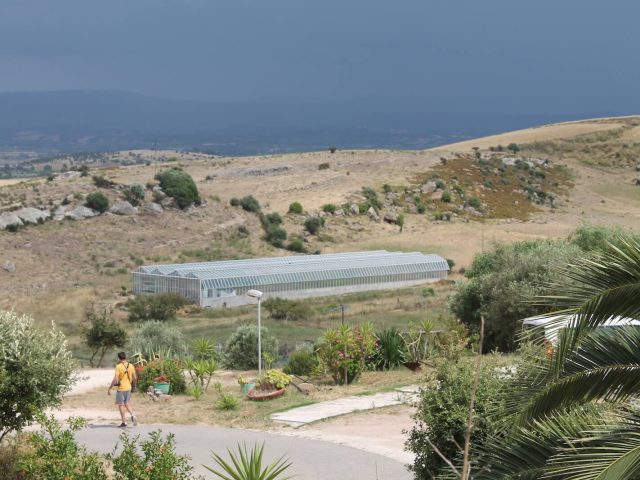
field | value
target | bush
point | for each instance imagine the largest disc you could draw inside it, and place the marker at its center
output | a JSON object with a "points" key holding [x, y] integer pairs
{"points": [[296, 208], [179, 185], [440, 184], [596, 238], [273, 380], [323, 166], [446, 196], [152, 459], [283, 309], [241, 350], [313, 224], [103, 333], [475, 203], [372, 198], [134, 194], [297, 245], [250, 204], [155, 337], [166, 367], [501, 284], [329, 208], [343, 351], [273, 218], [30, 381], [102, 182], [234, 202], [442, 412], [162, 307], [301, 362], [97, 201], [391, 349], [275, 236], [514, 148]]}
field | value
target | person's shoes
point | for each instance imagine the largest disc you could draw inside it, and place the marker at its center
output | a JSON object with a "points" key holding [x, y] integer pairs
{"points": [[134, 420], [123, 425]]}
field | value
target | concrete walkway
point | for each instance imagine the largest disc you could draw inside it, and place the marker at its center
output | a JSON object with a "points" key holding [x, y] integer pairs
{"points": [[300, 416]]}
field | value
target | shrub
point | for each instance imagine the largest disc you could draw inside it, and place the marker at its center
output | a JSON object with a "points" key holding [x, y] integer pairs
{"points": [[283, 309], [97, 201], [372, 198], [296, 208], [301, 362], [391, 349], [274, 379], [273, 218], [29, 380], [167, 367], [446, 196], [329, 208], [313, 224], [102, 182], [440, 184], [386, 188], [152, 459], [250, 204], [154, 337], [179, 185], [451, 263], [333, 149], [56, 454], [162, 307], [596, 238], [275, 236], [297, 245], [241, 350], [243, 231], [323, 166], [134, 194], [103, 333], [246, 465], [234, 202], [513, 147], [227, 401], [343, 351], [501, 283], [442, 412], [475, 203]]}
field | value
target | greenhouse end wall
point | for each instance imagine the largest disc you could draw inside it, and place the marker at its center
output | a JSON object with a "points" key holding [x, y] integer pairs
{"points": [[150, 283]]}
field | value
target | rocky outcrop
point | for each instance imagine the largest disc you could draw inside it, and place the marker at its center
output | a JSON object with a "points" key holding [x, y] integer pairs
{"points": [[429, 187], [32, 215], [152, 208], [373, 215], [9, 220], [391, 216], [123, 208], [80, 213], [169, 202]]}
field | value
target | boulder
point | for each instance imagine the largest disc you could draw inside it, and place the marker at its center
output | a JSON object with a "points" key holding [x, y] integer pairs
{"points": [[391, 216], [436, 195], [372, 214], [169, 202], [429, 187], [9, 266], [9, 220], [153, 208], [123, 208], [32, 215], [59, 213], [339, 213], [638, 167], [306, 387], [80, 213], [412, 209], [354, 209]]}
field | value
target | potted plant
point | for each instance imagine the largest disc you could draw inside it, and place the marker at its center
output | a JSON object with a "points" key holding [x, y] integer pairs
{"points": [[272, 384], [245, 385], [162, 383]]}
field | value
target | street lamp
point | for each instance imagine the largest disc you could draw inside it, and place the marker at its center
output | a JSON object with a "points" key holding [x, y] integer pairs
{"points": [[258, 294]]}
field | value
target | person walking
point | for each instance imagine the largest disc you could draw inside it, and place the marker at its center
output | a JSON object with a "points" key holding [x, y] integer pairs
{"points": [[124, 378]]}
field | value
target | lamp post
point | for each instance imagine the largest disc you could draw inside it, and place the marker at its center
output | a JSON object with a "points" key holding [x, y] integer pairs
{"points": [[258, 294]]}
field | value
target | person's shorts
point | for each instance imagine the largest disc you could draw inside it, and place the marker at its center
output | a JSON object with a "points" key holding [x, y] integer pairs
{"points": [[122, 398]]}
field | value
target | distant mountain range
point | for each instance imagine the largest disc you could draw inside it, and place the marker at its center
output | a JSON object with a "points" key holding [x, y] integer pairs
{"points": [[50, 123]]}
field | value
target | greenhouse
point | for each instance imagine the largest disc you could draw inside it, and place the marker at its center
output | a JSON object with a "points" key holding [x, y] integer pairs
{"points": [[226, 283]]}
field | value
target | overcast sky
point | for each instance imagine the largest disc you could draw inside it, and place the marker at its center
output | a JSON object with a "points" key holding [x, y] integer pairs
{"points": [[543, 56]]}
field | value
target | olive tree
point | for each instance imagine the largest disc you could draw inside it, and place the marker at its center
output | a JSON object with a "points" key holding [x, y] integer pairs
{"points": [[36, 370]]}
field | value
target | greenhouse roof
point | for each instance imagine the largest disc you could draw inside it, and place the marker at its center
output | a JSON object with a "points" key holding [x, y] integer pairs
{"points": [[265, 271]]}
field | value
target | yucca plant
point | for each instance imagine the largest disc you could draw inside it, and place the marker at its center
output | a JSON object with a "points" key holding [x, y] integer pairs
{"points": [[247, 465]]}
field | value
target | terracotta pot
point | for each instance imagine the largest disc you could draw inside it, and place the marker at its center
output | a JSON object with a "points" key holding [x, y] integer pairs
{"points": [[257, 394]]}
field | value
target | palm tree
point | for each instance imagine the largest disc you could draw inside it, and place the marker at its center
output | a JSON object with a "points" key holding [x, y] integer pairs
{"points": [[574, 415]]}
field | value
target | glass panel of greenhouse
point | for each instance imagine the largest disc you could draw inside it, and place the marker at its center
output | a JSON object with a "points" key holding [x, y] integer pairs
{"points": [[225, 283]]}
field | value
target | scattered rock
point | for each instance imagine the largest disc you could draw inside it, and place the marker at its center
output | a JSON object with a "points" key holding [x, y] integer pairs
{"points": [[10, 208], [391, 216], [153, 208], [412, 209], [157, 188], [80, 213], [9, 266], [169, 202], [9, 220], [429, 187], [68, 175], [69, 198], [339, 213], [306, 387], [638, 167], [123, 208], [354, 209], [436, 195], [59, 213], [472, 211], [373, 215], [32, 215]]}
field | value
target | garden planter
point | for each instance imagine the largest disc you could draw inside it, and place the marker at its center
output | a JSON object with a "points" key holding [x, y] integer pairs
{"points": [[257, 394], [162, 387], [246, 387]]}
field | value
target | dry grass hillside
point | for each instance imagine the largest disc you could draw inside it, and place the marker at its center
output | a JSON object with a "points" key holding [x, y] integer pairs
{"points": [[562, 176]]}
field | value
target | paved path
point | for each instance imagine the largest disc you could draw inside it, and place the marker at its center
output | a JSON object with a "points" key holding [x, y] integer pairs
{"points": [[300, 416], [311, 459]]}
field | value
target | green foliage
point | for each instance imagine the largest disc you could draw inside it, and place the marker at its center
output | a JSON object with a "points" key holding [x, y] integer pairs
{"points": [[250, 204], [134, 194], [400, 221], [513, 147], [443, 409], [154, 338], [227, 401], [273, 218], [297, 245], [372, 198], [391, 349], [296, 207], [440, 184], [179, 185], [152, 459], [343, 351], [161, 307], [246, 465], [274, 379], [329, 208], [283, 309], [36, 370], [386, 188], [97, 201], [102, 182], [323, 166], [446, 196], [502, 284], [275, 235], [234, 202], [202, 364], [301, 362], [313, 224], [103, 333], [598, 238], [169, 368], [241, 350], [57, 456], [475, 203]]}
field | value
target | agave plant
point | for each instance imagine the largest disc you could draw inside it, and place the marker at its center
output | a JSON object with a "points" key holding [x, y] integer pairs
{"points": [[574, 412], [248, 465]]}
